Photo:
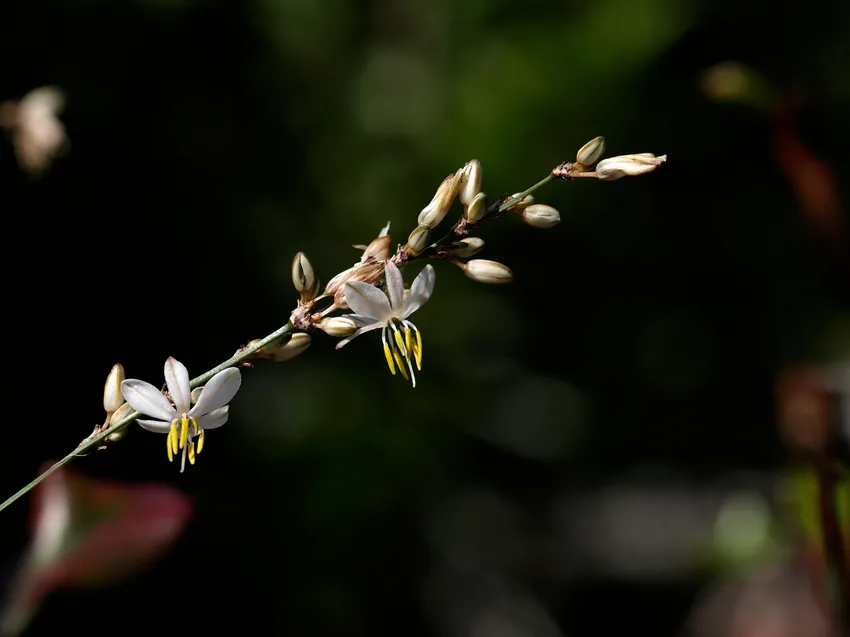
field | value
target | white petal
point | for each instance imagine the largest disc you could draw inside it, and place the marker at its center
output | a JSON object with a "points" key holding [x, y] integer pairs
{"points": [[367, 300], [420, 291], [367, 328], [395, 286], [156, 426], [215, 418], [360, 320], [218, 392], [177, 380], [147, 399]]}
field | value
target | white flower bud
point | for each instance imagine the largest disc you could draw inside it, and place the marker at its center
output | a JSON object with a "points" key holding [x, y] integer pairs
{"points": [[591, 152], [631, 165], [541, 216], [299, 342], [303, 277], [418, 240], [470, 182], [120, 414], [339, 326], [118, 435], [195, 394], [485, 271], [467, 247], [523, 203], [112, 396], [436, 211], [477, 208]]}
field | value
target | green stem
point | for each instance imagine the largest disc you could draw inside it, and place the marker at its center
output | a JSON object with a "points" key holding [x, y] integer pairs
{"points": [[510, 203], [195, 382]]}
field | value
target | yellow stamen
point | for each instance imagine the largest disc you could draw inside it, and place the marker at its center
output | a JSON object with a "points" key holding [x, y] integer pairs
{"points": [[401, 365], [408, 341], [168, 446], [200, 441], [184, 433], [173, 438], [389, 358], [417, 351], [194, 425], [191, 452], [399, 341]]}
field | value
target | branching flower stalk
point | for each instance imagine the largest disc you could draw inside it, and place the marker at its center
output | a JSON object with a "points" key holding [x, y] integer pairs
{"points": [[352, 303]]}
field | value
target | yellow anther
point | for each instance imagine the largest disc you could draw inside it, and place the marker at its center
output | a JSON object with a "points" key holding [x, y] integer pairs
{"points": [[408, 341], [417, 350], [399, 341], [194, 425], [401, 365], [389, 357], [184, 433], [168, 446], [191, 452], [200, 441], [173, 438]]}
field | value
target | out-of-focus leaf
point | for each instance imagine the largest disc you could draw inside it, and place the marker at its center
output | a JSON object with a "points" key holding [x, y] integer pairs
{"points": [[89, 532]]}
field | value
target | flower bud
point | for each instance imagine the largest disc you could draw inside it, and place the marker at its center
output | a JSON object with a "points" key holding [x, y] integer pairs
{"points": [[120, 414], [523, 203], [631, 165], [339, 326], [195, 394], [303, 277], [118, 435], [467, 247], [485, 271], [418, 240], [436, 211], [470, 182], [591, 152], [299, 342], [541, 216], [112, 396], [477, 208], [378, 249]]}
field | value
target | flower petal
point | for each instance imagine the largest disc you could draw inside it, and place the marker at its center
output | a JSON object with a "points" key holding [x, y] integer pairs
{"points": [[156, 426], [216, 418], [360, 320], [367, 300], [218, 392], [147, 399], [395, 286], [177, 380], [366, 328], [420, 291]]}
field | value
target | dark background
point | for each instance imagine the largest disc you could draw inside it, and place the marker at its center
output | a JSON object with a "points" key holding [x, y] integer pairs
{"points": [[556, 469]]}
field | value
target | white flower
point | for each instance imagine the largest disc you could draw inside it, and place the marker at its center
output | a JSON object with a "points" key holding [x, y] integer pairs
{"points": [[208, 413], [37, 133], [375, 310]]}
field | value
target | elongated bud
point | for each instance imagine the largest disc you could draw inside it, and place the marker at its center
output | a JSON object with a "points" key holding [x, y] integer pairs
{"points": [[299, 342], [418, 240], [339, 326], [467, 247], [591, 152], [120, 414], [112, 396], [477, 208], [195, 394], [628, 165], [485, 271], [523, 203], [470, 182], [541, 216], [304, 278], [436, 211]]}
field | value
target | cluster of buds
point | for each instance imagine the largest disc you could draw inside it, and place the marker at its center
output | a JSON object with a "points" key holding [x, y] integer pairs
{"points": [[609, 169]]}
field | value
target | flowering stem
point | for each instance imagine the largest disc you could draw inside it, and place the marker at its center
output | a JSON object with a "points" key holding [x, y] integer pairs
{"points": [[93, 441]]}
